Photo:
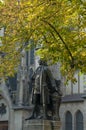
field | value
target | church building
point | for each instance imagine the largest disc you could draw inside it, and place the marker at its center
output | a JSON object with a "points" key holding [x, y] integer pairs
{"points": [[15, 96], [73, 106]]}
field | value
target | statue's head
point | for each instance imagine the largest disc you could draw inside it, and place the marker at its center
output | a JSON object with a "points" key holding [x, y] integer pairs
{"points": [[42, 62]]}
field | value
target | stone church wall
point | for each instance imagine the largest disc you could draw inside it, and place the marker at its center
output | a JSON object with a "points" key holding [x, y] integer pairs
{"points": [[73, 108]]}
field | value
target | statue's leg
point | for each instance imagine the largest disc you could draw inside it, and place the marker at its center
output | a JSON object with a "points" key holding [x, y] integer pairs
{"points": [[37, 107], [34, 112], [50, 108], [58, 106], [33, 116]]}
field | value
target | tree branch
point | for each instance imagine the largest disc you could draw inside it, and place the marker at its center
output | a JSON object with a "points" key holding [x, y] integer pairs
{"points": [[58, 34], [60, 38]]}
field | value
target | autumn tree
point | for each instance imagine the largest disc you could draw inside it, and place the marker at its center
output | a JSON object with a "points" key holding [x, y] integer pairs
{"points": [[57, 25]]}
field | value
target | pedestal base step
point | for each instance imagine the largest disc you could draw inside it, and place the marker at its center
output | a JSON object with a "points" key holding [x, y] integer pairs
{"points": [[42, 125]]}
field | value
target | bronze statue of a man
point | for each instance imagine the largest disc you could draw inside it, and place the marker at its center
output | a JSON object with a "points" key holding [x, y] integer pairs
{"points": [[44, 85]]}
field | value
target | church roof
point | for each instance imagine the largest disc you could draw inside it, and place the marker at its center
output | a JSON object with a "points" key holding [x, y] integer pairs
{"points": [[73, 98]]}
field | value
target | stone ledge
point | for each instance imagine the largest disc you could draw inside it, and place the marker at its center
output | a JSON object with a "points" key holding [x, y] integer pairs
{"points": [[22, 107], [72, 98]]}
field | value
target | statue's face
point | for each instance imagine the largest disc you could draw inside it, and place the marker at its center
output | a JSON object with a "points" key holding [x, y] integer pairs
{"points": [[41, 62]]}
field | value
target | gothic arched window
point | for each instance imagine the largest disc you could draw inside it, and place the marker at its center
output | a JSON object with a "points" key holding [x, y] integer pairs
{"points": [[68, 121], [79, 120]]}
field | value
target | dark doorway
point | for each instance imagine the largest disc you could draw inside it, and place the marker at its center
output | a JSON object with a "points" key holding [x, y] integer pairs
{"points": [[3, 125]]}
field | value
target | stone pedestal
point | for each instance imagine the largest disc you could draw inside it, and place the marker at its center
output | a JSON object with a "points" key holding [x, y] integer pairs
{"points": [[42, 125]]}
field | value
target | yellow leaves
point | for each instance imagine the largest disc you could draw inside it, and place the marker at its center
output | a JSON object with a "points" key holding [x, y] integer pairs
{"points": [[53, 45], [25, 19], [83, 33], [1, 2], [42, 53], [84, 54], [9, 64]]}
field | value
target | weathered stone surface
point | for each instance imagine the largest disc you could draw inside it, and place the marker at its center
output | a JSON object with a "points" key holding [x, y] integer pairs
{"points": [[42, 125], [73, 107]]}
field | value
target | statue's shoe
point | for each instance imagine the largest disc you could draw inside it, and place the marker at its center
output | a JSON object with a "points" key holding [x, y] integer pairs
{"points": [[40, 117], [31, 117]]}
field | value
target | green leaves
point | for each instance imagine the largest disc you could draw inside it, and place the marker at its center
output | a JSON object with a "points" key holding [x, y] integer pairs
{"points": [[57, 25]]}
